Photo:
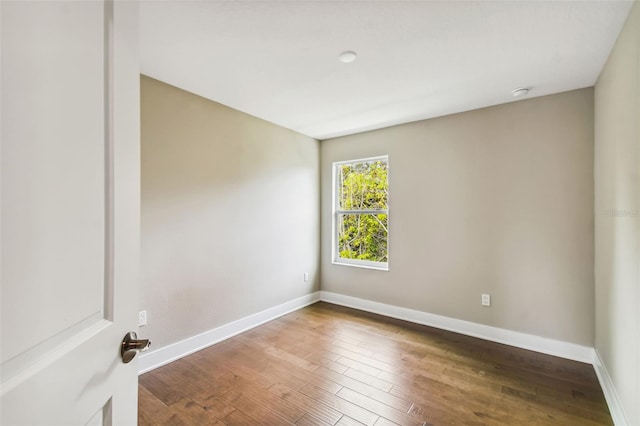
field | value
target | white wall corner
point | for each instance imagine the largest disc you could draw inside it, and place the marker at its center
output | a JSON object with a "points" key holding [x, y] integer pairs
{"points": [[500, 335], [151, 360], [609, 390]]}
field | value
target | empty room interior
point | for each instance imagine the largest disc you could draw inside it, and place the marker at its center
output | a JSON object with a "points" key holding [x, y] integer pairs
{"points": [[502, 141], [320, 212]]}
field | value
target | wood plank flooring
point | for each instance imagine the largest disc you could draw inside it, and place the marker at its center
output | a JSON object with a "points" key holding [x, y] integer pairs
{"points": [[329, 365]]}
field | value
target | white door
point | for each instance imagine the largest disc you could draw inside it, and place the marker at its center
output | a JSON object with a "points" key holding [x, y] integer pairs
{"points": [[70, 210]]}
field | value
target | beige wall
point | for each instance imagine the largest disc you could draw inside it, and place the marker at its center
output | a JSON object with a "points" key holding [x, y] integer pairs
{"points": [[617, 216], [497, 200], [230, 214]]}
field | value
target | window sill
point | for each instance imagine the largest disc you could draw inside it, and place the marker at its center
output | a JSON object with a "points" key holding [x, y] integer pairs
{"points": [[379, 266]]}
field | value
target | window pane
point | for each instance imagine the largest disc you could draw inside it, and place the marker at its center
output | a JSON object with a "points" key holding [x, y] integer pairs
{"points": [[363, 186], [363, 237]]}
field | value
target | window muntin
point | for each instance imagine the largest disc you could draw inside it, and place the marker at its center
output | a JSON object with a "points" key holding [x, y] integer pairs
{"points": [[361, 212]]}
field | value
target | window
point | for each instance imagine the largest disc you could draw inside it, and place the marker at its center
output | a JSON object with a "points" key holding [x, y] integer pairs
{"points": [[361, 213]]}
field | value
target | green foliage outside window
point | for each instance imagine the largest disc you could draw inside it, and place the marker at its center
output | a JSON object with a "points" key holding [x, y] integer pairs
{"points": [[363, 187]]}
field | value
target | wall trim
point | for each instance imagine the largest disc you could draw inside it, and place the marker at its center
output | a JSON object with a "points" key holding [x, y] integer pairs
{"points": [[151, 360], [500, 335], [609, 390]]}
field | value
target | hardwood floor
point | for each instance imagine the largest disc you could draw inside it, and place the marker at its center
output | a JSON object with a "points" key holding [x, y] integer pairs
{"points": [[329, 365]]}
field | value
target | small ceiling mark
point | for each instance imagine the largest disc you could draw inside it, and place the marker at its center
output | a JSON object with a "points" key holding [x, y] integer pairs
{"points": [[520, 92], [347, 56]]}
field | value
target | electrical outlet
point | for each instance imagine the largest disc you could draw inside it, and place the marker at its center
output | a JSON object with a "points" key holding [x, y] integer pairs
{"points": [[486, 300], [306, 277], [142, 318]]}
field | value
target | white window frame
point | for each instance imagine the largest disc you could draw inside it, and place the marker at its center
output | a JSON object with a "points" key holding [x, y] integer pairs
{"points": [[335, 253]]}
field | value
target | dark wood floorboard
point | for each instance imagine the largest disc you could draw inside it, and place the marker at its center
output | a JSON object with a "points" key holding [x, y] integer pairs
{"points": [[330, 365]]}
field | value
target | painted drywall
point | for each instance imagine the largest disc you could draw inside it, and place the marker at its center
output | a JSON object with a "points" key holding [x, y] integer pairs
{"points": [[498, 201], [230, 214], [617, 216]]}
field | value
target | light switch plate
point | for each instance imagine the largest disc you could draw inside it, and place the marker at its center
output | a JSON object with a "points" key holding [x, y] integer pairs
{"points": [[142, 318]]}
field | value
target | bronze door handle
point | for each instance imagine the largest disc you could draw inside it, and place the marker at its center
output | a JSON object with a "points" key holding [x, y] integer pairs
{"points": [[131, 346]]}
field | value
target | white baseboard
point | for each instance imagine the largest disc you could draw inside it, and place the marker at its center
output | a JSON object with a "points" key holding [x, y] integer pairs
{"points": [[500, 335], [157, 358], [609, 390], [152, 360]]}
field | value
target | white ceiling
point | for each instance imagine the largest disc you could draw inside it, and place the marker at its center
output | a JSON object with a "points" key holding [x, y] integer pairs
{"points": [[278, 60]]}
